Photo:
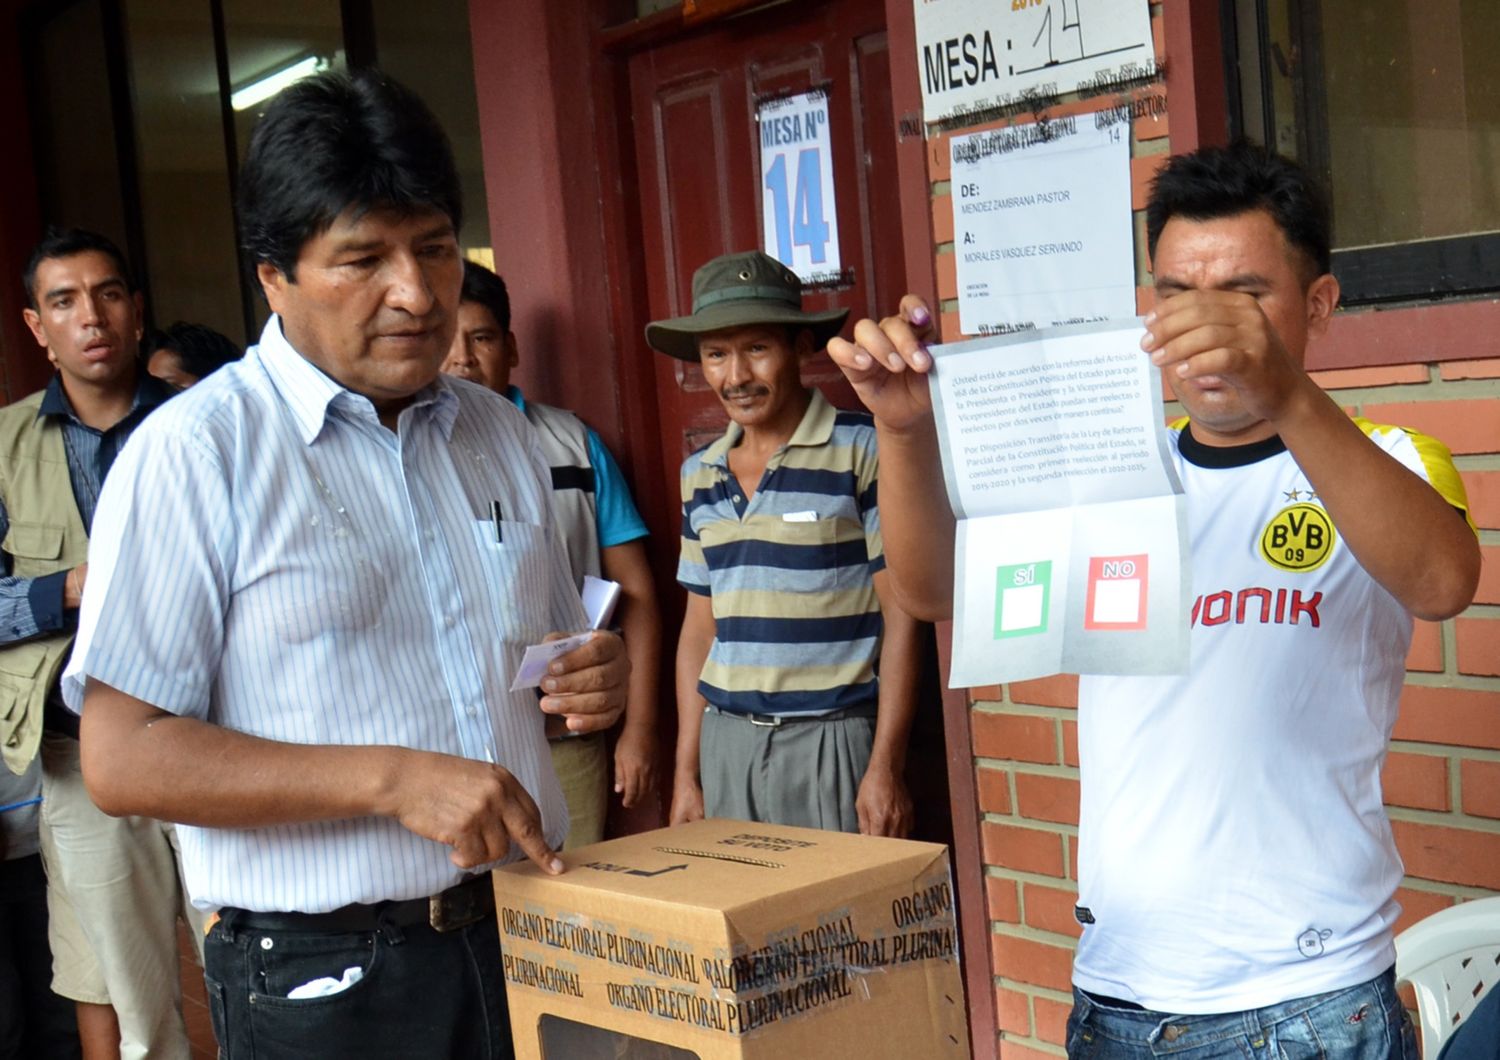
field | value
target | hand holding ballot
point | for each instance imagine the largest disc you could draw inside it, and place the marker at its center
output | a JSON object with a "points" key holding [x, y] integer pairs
{"points": [[888, 362], [585, 688], [1043, 454], [587, 685]]}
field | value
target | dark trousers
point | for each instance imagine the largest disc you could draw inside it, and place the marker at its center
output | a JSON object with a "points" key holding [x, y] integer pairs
{"points": [[34, 1021], [423, 993]]}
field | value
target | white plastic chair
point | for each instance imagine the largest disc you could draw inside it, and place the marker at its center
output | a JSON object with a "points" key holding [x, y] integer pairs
{"points": [[1451, 959]]}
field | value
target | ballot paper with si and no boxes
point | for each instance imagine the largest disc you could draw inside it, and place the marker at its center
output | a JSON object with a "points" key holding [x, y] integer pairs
{"points": [[1071, 520]]}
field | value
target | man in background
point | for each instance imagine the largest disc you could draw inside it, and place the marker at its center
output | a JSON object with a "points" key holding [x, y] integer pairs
{"points": [[605, 537], [34, 1021], [113, 883], [184, 354], [796, 671]]}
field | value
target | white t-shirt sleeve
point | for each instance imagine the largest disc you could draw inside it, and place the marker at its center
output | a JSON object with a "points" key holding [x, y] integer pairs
{"points": [[1424, 455]]}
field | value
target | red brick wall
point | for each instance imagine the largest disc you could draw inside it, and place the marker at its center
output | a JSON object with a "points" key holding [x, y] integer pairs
{"points": [[1442, 779]]}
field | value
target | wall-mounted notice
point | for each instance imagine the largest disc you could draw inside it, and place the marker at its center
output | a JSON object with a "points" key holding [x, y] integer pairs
{"points": [[1072, 526], [799, 221], [1041, 226], [976, 54]]}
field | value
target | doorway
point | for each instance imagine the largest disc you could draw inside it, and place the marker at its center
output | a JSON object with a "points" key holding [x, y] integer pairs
{"points": [[694, 100]]}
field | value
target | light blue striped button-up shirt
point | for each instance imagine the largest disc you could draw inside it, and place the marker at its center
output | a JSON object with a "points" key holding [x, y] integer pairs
{"points": [[267, 557]]}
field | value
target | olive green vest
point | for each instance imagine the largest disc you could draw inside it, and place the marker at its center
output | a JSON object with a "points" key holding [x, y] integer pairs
{"points": [[46, 535]]}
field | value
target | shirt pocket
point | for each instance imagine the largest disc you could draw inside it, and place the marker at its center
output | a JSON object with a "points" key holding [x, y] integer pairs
{"points": [[771, 553], [18, 675], [34, 541], [518, 580]]}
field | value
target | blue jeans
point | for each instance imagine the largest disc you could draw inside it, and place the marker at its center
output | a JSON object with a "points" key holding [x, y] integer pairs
{"points": [[1364, 1022], [1478, 1036]]}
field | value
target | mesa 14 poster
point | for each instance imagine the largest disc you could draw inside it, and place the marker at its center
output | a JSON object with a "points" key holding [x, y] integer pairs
{"points": [[799, 218]]}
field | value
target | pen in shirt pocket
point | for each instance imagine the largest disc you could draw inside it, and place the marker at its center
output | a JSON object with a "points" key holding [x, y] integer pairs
{"points": [[497, 519]]}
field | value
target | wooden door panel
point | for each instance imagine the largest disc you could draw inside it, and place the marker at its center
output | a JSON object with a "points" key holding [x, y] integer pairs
{"points": [[880, 196], [693, 192], [697, 147]]}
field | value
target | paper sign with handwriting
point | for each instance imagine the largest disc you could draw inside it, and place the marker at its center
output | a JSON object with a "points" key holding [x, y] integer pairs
{"points": [[1042, 232]]}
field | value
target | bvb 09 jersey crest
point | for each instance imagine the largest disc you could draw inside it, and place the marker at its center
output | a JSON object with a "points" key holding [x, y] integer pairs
{"points": [[1298, 538]]}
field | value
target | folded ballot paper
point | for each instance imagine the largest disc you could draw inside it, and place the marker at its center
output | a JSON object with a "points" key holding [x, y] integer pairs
{"points": [[599, 600], [1072, 526]]}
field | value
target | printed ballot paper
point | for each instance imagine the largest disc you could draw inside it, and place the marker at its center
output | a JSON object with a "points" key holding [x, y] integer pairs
{"points": [[1072, 525]]}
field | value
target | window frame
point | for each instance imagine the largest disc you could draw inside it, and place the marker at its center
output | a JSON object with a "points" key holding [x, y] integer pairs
{"points": [[1427, 270]]}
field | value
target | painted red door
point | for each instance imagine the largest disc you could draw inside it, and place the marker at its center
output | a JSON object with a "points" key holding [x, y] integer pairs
{"points": [[697, 151]]}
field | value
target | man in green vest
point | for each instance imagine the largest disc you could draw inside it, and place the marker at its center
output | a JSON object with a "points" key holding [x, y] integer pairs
{"points": [[113, 890], [604, 536]]}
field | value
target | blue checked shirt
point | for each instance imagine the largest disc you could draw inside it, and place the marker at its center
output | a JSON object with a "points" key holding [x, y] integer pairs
{"points": [[267, 557]]}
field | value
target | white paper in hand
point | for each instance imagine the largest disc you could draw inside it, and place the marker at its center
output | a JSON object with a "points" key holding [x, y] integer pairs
{"points": [[534, 663], [599, 600]]}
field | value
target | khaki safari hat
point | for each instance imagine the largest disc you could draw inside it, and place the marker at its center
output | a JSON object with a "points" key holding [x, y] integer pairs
{"points": [[737, 290]]}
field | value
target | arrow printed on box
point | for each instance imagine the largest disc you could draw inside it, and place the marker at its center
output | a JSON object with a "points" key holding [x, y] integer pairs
{"points": [[657, 872]]}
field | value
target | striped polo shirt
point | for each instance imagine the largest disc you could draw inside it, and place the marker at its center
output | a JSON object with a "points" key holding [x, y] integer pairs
{"points": [[789, 571]]}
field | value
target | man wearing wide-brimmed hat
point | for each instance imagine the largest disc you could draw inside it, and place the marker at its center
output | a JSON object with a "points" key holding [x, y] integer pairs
{"points": [[781, 715]]}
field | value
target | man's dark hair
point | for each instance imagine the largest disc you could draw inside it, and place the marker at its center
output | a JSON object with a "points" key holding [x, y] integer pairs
{"points": [[200, 348], [335, 142], [1215, 182], [485, 288], [64, 243]]}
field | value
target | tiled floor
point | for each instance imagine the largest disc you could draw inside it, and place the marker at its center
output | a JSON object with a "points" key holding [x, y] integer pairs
{"points": [[195, 1001]]}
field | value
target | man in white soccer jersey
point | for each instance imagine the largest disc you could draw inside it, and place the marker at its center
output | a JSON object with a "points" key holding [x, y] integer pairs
{"points": [[1237, 873]]}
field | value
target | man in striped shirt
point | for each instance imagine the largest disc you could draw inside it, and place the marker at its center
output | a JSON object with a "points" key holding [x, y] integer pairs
{"points": [[781, 714], [310, 584]]}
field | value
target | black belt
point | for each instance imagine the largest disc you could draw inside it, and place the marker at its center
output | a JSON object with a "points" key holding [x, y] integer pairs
{"points": [[859, 710], [459, 906]]}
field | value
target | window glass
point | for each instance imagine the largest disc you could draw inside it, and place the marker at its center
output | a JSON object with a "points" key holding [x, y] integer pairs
{"points": [[172, 208], [264, 41], [565, 1039], [78, 171], [184, 176], [427, 48], [1396, 102]]}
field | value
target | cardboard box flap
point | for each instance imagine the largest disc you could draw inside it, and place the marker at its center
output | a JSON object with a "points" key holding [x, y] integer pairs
{"points": [[729, 866]]}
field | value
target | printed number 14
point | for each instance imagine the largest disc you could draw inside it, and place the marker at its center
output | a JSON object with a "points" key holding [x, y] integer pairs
{"points": [[803, 223]]}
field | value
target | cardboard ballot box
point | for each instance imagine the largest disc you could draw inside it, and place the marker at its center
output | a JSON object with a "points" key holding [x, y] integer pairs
{"points": [[725, 939]]}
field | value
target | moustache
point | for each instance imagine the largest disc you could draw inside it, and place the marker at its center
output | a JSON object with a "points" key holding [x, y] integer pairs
{"points": [[737, 392]]}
